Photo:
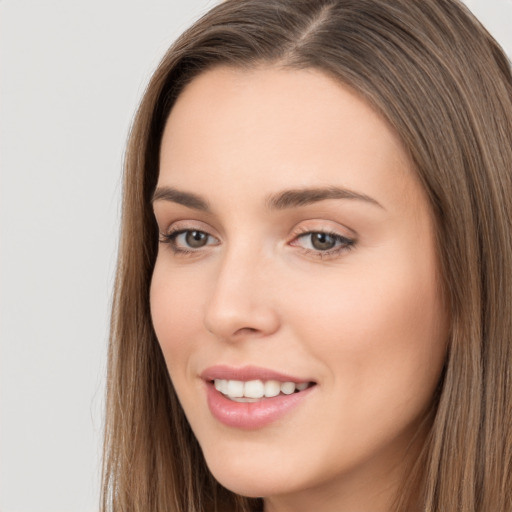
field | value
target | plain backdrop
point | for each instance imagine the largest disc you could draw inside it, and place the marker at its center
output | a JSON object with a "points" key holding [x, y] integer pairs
{"points": [[72, 73]]}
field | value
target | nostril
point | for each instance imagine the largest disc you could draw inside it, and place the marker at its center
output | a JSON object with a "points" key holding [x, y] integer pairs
{"points": [[246, 330]]}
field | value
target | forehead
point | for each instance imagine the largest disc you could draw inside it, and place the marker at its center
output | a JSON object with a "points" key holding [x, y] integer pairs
{"points": [[278, 127]]}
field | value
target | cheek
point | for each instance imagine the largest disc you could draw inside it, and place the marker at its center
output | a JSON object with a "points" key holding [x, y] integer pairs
{"points": [[175, 312], [383, 328], [176, 315]]}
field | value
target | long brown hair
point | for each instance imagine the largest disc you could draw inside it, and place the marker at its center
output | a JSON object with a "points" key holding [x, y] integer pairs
{"points": [[445, 86]]}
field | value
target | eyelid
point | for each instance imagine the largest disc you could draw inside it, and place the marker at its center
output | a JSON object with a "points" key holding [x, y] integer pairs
{"points": [[322, 226], [342, 242], [174, 235], [177, 228], [337, 237], [171, 225], [346, 242]]}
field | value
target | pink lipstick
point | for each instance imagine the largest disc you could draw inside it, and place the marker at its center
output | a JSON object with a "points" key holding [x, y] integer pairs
{"points": [[251, 397]]}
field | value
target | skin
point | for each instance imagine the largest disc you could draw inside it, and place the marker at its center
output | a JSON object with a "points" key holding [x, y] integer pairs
{"points": [[366, 322]]}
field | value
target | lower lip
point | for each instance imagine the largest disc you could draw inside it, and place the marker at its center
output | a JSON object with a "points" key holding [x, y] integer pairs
{"points": [[251, 415]]}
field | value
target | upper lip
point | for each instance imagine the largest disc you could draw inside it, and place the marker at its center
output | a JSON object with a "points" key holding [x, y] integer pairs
{"points": [[246, 373]]}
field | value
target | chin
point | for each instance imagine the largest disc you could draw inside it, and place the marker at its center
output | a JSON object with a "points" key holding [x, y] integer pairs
{"points": [[253, 480], [252, 486]]}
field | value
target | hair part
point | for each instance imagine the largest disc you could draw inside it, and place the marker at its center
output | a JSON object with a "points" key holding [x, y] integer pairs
{"points": [[445, 87]]}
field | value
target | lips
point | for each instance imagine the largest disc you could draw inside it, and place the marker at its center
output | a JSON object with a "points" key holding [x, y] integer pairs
{"points": [[252, 397]]}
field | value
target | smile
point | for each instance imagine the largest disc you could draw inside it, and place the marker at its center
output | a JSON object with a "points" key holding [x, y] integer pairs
{"points": [[250, 397], [254, 390]]}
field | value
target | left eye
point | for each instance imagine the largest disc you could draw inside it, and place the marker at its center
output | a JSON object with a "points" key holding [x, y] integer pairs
{"points": [[321, 241]]}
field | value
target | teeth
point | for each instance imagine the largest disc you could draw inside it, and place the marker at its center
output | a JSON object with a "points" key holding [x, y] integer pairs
{"points": [[222, 386], [272, 388], [235, 388], [287, 388], [253, 390]]}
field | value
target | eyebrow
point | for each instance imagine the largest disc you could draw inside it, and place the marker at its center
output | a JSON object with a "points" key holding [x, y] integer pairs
{"points": [[306, 196], [180, 197], [279, 201]]}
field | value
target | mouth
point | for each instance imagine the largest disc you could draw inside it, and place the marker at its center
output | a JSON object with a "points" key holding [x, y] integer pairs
{"points": [[251, 397], [257, 390]]}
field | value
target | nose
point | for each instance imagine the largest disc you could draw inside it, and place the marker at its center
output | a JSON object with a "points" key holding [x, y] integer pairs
{"points": [[243, 302]]}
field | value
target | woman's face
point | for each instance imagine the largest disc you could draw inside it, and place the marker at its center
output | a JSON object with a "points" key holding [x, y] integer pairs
{"points": [[297, 262]]}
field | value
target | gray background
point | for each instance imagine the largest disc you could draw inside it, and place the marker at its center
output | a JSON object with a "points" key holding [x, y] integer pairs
{"points": [[72, 73]]}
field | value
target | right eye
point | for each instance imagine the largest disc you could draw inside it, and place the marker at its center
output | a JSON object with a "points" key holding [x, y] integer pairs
{"points": [[188, 240]]}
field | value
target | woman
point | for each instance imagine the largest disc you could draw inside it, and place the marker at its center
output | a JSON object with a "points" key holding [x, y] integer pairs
{"points": [[314, 290]]}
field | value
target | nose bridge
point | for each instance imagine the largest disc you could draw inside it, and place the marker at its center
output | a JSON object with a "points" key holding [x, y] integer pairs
{"points": [[241, 300]]}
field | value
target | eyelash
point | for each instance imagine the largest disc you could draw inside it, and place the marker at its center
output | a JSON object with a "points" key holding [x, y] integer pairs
{"points": [[170, 239], [344, 244]]}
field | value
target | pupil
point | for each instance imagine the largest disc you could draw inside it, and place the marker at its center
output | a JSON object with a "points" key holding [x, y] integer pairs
{"points": [[196, 239], [322, 241]]}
